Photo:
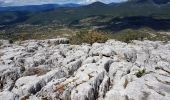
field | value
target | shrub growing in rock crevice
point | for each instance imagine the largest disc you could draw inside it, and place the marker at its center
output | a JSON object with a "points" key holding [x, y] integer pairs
{"points": [[140, 73], [11, 41], [1, 43]]}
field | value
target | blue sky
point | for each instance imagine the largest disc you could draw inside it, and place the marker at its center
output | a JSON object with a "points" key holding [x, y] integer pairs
{"points": [[38, 2]]}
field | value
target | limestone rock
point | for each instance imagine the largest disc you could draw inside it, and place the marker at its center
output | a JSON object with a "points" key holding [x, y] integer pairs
{"points": [[55, 70], [7, 95]]}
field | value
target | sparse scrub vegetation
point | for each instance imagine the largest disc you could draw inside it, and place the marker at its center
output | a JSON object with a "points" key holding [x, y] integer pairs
{"points": [[11, 41], [128, 35], [35, 71], [140, 73], [1, 43], [89, 37], [81, 35]]}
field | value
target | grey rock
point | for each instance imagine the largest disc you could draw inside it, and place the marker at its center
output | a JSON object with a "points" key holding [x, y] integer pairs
{"points": [[7, 95], [55, 70]]}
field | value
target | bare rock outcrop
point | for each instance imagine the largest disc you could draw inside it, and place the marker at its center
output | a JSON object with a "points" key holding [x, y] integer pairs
{"points": [[56, 70]]}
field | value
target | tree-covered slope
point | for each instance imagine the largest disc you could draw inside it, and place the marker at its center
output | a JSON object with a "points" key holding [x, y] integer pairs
{"points": [[68, 15]]}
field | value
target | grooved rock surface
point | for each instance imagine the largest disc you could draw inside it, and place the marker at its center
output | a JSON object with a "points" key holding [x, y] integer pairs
{"points": [[55, 70]]}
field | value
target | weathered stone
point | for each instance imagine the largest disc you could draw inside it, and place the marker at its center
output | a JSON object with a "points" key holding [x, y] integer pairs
{"points": [[55, 70], [7, 95]]}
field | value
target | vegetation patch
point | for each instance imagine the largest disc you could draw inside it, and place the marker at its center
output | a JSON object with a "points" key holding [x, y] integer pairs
{"points": [[81, 35], [35, 71], [140, 73], [128, 35], [89, 37]]}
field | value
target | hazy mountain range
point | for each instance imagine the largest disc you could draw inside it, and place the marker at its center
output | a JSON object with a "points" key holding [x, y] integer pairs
{"points": [[95, 14], [35, 8], [44, 7]]}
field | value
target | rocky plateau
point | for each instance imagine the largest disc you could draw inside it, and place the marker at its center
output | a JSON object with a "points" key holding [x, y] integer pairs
{"points": [[53, 69]]}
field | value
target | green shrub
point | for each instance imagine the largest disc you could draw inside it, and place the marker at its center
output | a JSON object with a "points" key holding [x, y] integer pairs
{"points": [[140, 73], [11, 41], [128, 35], [94, 36], [1, 43], [89, 37]]}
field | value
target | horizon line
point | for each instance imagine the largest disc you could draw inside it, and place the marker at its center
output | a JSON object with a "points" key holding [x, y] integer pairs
{"points": [[60, 4]]}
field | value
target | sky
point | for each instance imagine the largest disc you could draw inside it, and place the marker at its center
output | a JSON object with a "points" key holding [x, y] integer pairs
{"points": [[39, 2]]}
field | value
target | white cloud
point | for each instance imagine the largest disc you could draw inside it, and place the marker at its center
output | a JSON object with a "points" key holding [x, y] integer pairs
{"points": [[38, 2]]}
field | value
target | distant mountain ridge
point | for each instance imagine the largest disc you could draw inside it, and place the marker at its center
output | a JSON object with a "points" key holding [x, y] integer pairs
{"points": [[47, 7], [35, 8], [159, 2], [94, 14]]}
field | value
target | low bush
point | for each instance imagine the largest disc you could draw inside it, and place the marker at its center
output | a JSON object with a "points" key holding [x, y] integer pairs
{"points": [[89, 37], [128, 35], [1, 43], [140, 73], [11, 41]]}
